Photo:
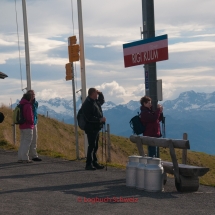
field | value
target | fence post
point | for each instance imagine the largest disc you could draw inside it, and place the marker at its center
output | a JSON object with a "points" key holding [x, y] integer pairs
{"points": [[184, 151], [108, 143]]}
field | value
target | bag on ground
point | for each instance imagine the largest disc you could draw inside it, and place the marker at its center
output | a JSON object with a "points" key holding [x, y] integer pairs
{"points": [[81, 119], [18, 117], [136, 125]]}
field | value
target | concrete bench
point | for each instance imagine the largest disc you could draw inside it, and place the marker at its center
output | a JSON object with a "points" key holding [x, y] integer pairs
{"points": [[186, 176]]}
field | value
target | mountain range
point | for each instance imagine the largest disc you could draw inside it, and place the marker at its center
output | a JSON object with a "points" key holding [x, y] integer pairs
{"points": [[192, 113]]}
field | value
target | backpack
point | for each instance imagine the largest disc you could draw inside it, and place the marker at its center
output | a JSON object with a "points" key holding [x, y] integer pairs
{"points": [[136, 125], [81, 119], [1, 117], [18, 117]]}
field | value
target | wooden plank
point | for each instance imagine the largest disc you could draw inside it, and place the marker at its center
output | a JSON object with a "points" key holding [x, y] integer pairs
{"points": [[184, 151], [160, 142], [185, 170], [174, 161], [140, 146]]}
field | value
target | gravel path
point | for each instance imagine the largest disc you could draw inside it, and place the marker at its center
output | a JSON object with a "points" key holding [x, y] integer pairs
{"points": [[56, 186]]}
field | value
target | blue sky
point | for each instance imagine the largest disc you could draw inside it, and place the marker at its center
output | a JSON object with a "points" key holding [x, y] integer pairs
{"points": [[107, 25]]}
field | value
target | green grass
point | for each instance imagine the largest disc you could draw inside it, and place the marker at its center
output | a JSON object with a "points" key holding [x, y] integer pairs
{"points": [[57, 139]]}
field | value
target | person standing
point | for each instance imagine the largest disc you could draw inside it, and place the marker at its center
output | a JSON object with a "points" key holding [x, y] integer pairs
{"points": [[26, 129], [151, 120], [33, 147], [94, 122]]}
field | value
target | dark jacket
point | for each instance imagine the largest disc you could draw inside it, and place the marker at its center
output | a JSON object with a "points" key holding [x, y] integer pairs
{"points": [[93, 113], [151, 119]]}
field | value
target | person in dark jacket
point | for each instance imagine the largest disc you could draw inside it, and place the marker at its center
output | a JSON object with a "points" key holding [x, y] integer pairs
{"points": [[94, 117], [151, 120]]}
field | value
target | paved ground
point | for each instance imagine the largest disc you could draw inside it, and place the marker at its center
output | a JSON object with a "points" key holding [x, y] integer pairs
{"points": [[55, 186]]}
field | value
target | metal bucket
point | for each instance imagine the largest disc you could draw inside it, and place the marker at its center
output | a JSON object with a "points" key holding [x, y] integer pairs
{"points": [[153, 180], [131, 170], [140, 176]]}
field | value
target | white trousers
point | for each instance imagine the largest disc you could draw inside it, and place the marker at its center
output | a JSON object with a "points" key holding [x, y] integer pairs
{"points": [[33, 146], [28, 144]]}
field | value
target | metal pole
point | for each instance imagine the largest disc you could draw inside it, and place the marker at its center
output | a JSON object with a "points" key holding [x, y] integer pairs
{"points": [[13, 126], [149, 32], [150, 69], [75, 118], [27, 55], [82, 63], [109, 143]]}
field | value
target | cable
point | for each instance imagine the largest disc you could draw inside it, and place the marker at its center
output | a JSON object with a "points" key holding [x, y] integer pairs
{"points": [[72, 16], [20, 65]]}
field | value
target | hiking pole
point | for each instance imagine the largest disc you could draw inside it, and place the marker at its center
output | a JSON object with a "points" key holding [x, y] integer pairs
{"points": [[102, 140], [105, 146]]}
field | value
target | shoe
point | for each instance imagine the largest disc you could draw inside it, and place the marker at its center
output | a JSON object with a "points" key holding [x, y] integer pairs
{"points": [[98, 166], [36, 159], [90, 168], [27, 161]]}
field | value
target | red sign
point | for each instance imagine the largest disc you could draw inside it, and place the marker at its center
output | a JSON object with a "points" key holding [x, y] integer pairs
{"points": [[146, 51]]}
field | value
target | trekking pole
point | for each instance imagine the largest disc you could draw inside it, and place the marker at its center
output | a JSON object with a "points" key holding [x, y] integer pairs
{"points": [[105, 146], [102, 140]]}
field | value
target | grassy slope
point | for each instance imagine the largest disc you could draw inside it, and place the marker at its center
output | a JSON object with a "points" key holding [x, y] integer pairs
{"points": [[57, 139]]}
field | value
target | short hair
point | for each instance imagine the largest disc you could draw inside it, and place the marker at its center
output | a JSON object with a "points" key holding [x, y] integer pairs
{"points": [[145, 99], [27, 96], [91, 91], [30, 91]]}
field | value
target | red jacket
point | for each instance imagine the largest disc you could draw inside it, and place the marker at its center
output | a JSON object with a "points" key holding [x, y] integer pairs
{"points": [[28, 115], [151, 120]]}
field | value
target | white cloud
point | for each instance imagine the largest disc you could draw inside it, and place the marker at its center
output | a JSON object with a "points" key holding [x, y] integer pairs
{"points": [[191, 46], [99, 46]]}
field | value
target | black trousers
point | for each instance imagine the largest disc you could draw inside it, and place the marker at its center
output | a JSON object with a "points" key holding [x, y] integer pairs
{"points": [[93, 139]]}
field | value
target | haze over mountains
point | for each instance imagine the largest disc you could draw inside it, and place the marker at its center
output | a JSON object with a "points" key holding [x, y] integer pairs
{"points": [[191, 112]]}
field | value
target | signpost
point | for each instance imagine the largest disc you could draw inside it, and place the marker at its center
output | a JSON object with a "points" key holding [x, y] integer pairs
{"points": [[73, 52], [146, 51]]}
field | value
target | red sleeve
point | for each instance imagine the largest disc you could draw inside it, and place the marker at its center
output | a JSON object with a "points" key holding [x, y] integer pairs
{"points": [[147, 116]]}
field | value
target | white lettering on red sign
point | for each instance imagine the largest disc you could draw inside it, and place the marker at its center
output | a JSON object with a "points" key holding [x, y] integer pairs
{"points": [[150, 55], [137, 58], [147, 56]]}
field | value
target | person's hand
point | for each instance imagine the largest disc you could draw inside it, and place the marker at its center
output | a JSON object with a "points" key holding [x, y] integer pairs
{"points": [[103, 119], [160, 107]]}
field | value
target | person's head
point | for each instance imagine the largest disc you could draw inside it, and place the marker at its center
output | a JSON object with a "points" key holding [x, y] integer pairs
{"points": [[93, 93], [31, 92], [27, 96], [146, 101]]}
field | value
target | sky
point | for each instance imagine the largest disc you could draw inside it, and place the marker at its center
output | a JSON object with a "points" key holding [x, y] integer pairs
{"points": [[107, 25]]}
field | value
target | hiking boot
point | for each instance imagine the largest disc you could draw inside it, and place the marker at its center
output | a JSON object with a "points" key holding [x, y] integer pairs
{"points": [[98, 166], [90, 168], [36, 159]]}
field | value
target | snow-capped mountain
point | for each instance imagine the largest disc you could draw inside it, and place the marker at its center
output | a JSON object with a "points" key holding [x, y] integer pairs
{"points": [[189, 101]]}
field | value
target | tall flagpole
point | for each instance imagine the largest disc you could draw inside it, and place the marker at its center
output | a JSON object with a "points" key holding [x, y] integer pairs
{"points": [[82, 62], [27, 55]]}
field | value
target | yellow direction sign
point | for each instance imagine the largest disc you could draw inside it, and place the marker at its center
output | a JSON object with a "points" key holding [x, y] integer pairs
{"points": [[69, 72], [73, 52]]}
